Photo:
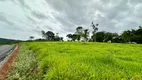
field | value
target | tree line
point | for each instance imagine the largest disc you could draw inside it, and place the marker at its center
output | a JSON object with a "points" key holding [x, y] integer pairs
{"points": [[47, 36], [8, 41], [81, 34]]}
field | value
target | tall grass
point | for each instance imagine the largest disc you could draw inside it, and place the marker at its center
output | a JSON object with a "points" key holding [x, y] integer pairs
{"points": [[88, 61], [24, 67]]}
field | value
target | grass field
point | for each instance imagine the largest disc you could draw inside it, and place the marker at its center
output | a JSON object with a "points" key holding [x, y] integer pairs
{"points": [[88, 61]]}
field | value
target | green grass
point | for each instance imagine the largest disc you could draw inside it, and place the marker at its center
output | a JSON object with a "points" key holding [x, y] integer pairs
{"points": [[24, 66], [88, 61]]}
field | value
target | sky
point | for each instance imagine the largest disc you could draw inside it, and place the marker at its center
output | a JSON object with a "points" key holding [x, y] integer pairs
{"points": [[20, 19]]}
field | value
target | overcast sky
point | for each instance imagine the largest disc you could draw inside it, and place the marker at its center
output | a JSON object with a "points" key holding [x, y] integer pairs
{"points": [[20, 19]]}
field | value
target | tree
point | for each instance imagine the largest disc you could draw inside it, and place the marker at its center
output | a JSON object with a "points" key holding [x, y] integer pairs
{"points": [[138, 34], [9, 41], [100, 36], [78, 37], [133, 35], [43, 34], [57, 35], [95, 29], [31, 37], [105, 36], [79, 32], [50, 36], [58, 38], [86, 34], [140, 27], [74, 37], [61, 39], [69, 36], [118, 39], [126, 35], [109, 36]]}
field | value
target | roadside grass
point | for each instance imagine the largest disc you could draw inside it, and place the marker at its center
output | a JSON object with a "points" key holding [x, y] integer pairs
{"points": [[24, 66], [88, 61], [81, 61]]}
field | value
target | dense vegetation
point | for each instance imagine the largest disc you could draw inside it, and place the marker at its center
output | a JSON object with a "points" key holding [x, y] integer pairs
{"points": [[8, 41], [24, 66], [128, 36], [87, 61], [81, 34]]}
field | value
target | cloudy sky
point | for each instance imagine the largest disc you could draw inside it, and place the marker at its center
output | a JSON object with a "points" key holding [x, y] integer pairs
{"points": [[20, 19]]}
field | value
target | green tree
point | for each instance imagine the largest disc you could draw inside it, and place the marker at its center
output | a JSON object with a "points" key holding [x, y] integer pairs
{"points": [[86, 34], [133, 35], [74, 37], [78, 37], [100, 36], [95, 29], [61, 39], [43, 34], [79, 32], [58, 38], [126, 35], [31, 37], [69, 36], [105, 36], [49, 35], [137, 35]]}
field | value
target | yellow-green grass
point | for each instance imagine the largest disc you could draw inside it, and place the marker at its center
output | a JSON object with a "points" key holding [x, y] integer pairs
{"points": [[88, 61]]}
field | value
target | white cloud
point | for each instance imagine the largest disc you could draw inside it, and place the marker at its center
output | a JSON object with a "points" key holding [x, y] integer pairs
{"points": [[29, 17]]}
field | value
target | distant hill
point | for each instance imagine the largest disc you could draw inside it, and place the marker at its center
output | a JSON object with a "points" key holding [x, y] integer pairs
{"points": [[8, 41]]}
